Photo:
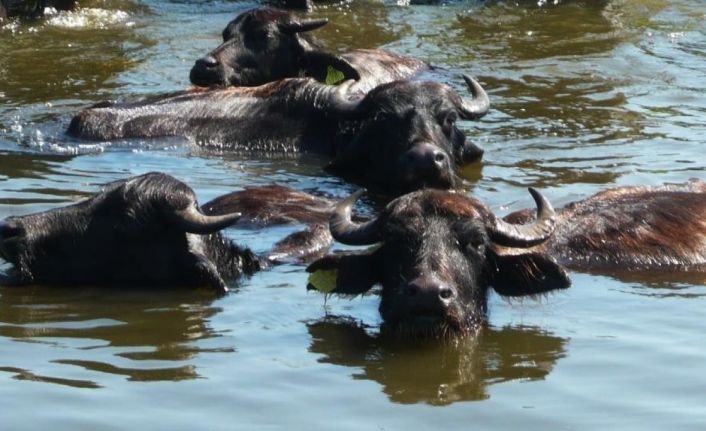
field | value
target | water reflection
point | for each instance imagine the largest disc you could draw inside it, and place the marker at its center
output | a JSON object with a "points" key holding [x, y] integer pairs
{"points": [[664, 282], [348, 21], [143, 336], [513, 32], [22, 165], [72, 55], [563, 84], [547, 86], [438, 373]]}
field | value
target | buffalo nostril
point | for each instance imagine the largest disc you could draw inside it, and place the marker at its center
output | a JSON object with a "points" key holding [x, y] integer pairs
{"points": [[207, 61], [426, 156], [446, 293]]}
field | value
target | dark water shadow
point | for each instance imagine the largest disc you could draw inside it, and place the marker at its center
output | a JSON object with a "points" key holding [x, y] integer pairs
{"points": [[22, 374], [30, 165], [144, 336], [437, 373], [662, 282]]}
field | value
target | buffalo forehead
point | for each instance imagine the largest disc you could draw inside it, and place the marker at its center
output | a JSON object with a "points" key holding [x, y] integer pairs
{"points": [[414, 208], [456, 205], [424, 95]]}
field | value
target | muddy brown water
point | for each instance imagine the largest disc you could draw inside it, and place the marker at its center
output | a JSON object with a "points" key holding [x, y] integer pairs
{"points": [[586, 95]]}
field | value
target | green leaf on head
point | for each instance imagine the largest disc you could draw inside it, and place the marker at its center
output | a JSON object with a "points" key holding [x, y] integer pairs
{"points": [[323, 280], [334, 76]]}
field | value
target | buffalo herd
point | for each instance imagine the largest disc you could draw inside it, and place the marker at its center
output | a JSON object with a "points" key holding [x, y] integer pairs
{"points": [[435, 251]]}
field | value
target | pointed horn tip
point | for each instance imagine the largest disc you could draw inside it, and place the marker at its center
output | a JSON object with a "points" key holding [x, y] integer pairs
{"points": [[194, 221], [479, 104], [346, 204], [543, 204], [303, 26], [471, 82], [347, 232], [357, 194], [468, 78], [233, 216]]}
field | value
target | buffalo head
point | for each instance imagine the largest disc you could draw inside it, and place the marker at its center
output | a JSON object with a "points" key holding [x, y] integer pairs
{"points": [[404, 135], [264, 45], [144, 230], [437, 254]]}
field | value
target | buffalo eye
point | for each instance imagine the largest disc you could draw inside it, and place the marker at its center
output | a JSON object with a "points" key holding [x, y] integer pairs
{"points": [[474, 245], [471, 241], [384, 116], [449, 121]]}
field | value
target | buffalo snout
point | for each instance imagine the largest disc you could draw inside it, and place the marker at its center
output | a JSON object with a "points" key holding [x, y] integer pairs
{"points": [[425, 164], [207, 71], [427, 296], [423, 306]]}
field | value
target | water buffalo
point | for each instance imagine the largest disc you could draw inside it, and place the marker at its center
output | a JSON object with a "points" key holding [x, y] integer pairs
{"points": [[32, 8], [264, 45], [149, 230], [400, 136], [146, 230], [631, 229], [439, 252]]}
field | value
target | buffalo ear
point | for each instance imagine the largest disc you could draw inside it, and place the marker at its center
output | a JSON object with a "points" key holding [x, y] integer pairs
{"points": [[344, 273], [320, 65], [530, 273]]}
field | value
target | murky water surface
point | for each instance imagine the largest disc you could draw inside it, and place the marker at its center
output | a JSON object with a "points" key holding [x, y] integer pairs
{"points": [[586, 95]]}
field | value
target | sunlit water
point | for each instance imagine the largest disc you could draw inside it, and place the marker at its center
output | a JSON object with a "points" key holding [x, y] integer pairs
{"points": [[586, 95]]}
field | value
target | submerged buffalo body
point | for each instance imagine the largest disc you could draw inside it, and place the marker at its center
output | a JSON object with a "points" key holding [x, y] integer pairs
{"points": [[264, 45], [403, 132], [632, 229], [400, 136], [147, 230], [440, 252]]}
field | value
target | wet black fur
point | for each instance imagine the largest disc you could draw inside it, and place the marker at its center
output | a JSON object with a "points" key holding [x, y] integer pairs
{"points": [[124, 235], [438, 234]]}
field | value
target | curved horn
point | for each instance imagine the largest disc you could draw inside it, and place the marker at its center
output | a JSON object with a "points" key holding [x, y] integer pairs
{"points": [[344, 230], [338, 101], [479, 105], [293, 27], [529, 235], [194, 221]]}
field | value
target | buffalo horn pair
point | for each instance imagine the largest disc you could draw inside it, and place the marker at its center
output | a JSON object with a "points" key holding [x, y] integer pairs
{"points": [[344, 230]]}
